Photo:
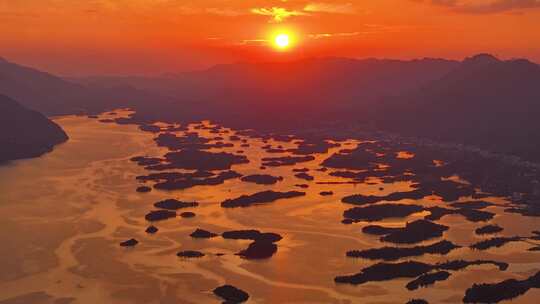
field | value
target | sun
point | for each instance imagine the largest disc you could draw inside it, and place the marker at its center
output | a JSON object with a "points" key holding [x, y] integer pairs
{"points": [[282, 41]]}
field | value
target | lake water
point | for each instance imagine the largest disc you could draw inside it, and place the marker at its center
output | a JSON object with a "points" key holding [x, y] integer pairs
{"points": [[65, 213]]}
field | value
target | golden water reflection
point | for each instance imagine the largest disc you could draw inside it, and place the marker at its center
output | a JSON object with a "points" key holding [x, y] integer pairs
{"points": [[65, 213]]}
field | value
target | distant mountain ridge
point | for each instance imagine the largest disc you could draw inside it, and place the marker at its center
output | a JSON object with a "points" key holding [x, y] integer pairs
{"points": [[330, 74], [53, 95], [284, 94], [483, 102], [25, 133]]}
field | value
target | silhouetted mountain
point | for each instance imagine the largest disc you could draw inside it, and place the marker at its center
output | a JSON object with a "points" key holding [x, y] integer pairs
{"points": [[340, 77], [481, 101], [25, 133], [286, 94], [53, 95], [484, 102]]}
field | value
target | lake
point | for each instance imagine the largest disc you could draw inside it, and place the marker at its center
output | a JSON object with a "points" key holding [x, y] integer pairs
{"points": [[65, 214]]}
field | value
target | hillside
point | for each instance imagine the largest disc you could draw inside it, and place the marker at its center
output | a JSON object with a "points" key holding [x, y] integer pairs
{"points": [[52, 95], [484, 102], [25, 133]]}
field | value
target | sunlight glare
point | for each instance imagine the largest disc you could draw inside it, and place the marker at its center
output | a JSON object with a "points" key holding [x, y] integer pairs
{"points": [[282, 41]]}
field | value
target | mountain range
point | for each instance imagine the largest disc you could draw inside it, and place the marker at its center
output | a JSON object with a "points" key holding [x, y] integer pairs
{"points": [[53, 95], [285, 94], [481, 101]]}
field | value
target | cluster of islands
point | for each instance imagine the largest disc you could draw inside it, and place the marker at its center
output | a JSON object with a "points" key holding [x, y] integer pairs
{"points": [[463, 182], [195, 160]]}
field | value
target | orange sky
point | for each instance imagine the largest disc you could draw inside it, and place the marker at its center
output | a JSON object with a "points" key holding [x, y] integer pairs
{"points": [[82, 37]]}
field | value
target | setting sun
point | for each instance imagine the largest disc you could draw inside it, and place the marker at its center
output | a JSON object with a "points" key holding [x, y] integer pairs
{"points": [[282, 41]]}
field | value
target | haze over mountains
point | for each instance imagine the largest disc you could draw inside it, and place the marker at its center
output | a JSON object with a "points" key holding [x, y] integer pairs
{"points": [[52, 95], [283, 95], [481, 101]]}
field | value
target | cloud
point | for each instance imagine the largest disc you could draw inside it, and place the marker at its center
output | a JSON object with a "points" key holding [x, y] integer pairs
{"points": [[333, 35], [367, 29], [278, 14], [334, 8], [487, 6], [254, 42]]}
